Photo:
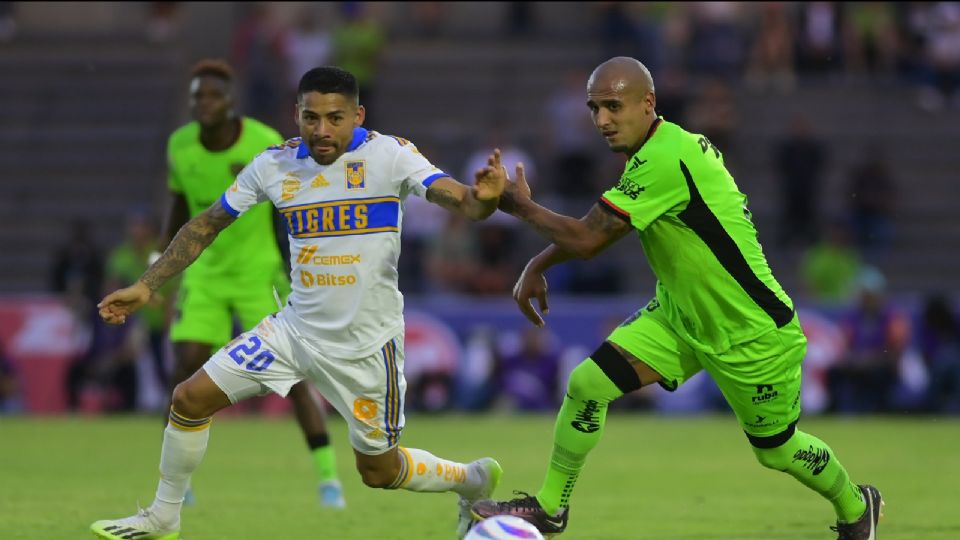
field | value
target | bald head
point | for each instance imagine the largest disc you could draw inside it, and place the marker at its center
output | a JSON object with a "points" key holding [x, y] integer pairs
{"points": [[621, 99], [623, 75]]}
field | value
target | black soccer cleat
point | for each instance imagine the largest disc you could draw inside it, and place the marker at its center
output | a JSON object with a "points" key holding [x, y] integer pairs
{"points": [[864, 528], [525, 507]]}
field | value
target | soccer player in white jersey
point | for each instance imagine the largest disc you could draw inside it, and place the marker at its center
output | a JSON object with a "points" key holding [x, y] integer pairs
{"points": [[340, 189]]}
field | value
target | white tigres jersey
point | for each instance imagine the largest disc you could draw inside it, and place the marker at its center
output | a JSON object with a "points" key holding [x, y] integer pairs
{"points": [[343, 222]]}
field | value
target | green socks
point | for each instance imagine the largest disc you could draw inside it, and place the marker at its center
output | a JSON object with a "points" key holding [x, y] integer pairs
{"points": [[578, 429], [813, 463], [580, 422], [325, 462]]}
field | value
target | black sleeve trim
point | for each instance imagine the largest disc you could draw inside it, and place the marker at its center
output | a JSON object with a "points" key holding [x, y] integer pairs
{"points": [[609, 207]]}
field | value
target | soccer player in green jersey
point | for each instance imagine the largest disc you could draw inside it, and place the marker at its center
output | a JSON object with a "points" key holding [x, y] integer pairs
{"points": [[717, 306], [236, 275]]}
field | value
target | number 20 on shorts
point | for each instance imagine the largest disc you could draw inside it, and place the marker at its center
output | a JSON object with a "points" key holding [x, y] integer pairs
{"points": [[243, 353]]}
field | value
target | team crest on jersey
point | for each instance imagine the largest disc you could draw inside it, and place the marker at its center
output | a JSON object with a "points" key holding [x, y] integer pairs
{"points": [[290, 187], [356, 178], [319, 182]]}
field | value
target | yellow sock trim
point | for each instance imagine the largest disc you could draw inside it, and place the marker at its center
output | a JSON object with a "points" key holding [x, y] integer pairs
{"points": [[188, 424], [406, 469]]}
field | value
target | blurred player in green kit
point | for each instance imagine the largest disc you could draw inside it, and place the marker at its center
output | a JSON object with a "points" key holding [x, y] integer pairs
{"points": [[237, 274]]}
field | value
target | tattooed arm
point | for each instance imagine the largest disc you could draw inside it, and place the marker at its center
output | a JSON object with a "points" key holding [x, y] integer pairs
{"points": [[186, 246], [580, 238], [462, 199], [477, 201], [572, 238]]}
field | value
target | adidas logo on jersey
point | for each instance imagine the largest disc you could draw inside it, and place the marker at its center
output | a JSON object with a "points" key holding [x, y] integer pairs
{"points": [[319, 182]]}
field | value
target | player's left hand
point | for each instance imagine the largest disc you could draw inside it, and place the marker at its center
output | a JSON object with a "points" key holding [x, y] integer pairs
{"points": [[532, 284], [490, 180]]}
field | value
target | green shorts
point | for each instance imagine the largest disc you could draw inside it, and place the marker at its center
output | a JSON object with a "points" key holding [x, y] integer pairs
{"points": [[760, 379], [206, 314]]}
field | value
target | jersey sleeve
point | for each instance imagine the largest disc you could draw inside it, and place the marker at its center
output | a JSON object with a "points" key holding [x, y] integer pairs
{"points": [[246, 191], [415, 172], [645, 193]]}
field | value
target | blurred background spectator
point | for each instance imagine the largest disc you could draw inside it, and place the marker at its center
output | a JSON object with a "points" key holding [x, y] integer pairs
{"points": [[877, 335], [104, 376], [800, 161], [821, 37], [528, 375], [9, 385], [830, 267], [258, 46], [125, 264], [306, 45], [8, 23], [940, 346], [771, 64], [78, 264], [873, 195], [358, 43]]}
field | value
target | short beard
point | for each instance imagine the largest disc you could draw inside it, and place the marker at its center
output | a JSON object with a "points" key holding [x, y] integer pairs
{"points": [[620, 149], [326, 160]]}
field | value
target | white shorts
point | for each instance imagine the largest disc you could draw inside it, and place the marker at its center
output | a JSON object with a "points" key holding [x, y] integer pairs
{"points": [[367, 392]]}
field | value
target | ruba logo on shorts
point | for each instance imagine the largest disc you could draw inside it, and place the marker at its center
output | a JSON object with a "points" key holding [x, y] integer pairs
{"points": [[586, 420], [765, 393]]}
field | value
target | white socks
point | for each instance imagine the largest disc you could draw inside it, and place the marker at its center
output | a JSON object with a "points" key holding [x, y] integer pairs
{"points": [[182, 452], [422, 471]]}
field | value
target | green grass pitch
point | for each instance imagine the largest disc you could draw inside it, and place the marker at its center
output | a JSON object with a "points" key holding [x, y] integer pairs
{"points": [[652, 477]]}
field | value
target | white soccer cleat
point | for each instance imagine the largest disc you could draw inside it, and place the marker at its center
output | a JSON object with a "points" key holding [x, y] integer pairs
{"points": [[489, 471], [143, 526]]}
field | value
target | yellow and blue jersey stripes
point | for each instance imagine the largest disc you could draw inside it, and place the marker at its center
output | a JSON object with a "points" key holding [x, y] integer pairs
{"points": [[391, 413], [343, 217]]}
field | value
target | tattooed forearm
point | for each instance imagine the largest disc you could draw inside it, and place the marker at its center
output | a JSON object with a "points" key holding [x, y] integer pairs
{"points": [[443, 197], [456, 197], [582, 238], [610, 225], [187, 245]]}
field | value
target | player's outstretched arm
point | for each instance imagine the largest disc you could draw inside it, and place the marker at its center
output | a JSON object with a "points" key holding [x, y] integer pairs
{"points": [[575, 238], [186, 246], [476, 202]]}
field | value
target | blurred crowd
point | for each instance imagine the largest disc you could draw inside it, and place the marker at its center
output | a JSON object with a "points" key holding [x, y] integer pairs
{"points": [[893, 359]]}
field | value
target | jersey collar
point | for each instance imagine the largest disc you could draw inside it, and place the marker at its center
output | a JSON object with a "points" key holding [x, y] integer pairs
{"points": [[302, 150], [653, 128], [359, 135]]}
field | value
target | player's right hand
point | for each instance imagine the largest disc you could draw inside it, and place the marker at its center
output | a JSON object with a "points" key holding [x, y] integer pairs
{"points": [[115, 307], [532, 284]]}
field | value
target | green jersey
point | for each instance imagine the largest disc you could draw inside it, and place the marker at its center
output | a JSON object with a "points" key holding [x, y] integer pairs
{"points": [[246, 250], [713, 281]]}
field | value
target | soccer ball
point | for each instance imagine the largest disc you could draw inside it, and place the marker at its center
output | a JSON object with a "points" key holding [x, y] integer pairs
{"points": [[503, 528]]}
